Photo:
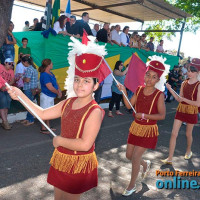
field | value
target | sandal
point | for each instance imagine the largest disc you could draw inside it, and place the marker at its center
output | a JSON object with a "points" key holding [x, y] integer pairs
{"points": [[53, 129], [144, 174], [44, 131], [110, 114], [166, 162], [119, 113], [28, 123], [188, 156]]}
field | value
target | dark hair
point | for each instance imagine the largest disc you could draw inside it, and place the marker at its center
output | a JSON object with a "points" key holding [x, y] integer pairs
{"points": [[61, 21], [151, 38], [45, 63], [144, 35], [117, 64], [125, 27], [192, 68], [26, 22], [24, 39], [35, 19], [84, 14], [73, 17], [161, 41], [117, 26], [95, 80], [29, 60]]}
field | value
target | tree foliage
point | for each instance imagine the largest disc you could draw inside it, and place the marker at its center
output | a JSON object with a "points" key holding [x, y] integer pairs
{"points": [[5, 15], [192, 24]]}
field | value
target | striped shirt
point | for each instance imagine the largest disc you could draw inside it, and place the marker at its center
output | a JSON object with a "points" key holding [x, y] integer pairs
{"points": [[31, 73]]}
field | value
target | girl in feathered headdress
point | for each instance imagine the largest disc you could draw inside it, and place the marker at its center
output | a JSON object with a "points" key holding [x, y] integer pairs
{"points": [[150, 107], [74, 164]]}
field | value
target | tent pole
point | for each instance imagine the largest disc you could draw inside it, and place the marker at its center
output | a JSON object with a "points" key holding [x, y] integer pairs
{"points": [[181, 36]]}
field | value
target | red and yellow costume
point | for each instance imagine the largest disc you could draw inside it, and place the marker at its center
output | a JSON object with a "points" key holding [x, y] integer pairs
{"points": [[74, 171], [144, 133], [185, 112]]}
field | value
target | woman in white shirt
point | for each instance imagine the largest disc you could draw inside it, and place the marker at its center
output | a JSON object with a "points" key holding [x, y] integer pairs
{"points": [[59, 26]]}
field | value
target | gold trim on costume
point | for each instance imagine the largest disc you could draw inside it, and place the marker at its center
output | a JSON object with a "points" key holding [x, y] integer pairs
{"points": [[65, 107], [81, 123], [153, 103], [195, 89], [143, 130], [188, 109], [74, 164]]}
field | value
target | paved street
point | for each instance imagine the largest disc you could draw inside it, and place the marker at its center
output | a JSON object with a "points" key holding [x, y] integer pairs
{"points": [[25, 155]]}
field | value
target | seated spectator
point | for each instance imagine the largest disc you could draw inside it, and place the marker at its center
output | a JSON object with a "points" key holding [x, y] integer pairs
{"points": [[30, 84], [124, 37], [38, 26], [150, 45], [50, 89], [7, 74], [95, 30], [184, 70], [24, 50], [160, 47], [8, 46], [19, 75], [83, 24], [115, 37], [59, 26], [26, 27], [35, 21], [102, 35], [72, 27], [143, 42], [134, 40]]}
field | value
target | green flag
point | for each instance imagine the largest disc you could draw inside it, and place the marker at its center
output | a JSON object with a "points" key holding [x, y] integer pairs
{"points": [[55, 11]]}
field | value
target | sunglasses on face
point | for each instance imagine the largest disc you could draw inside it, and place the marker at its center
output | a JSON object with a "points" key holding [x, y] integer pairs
{"points": [[9, 63]]}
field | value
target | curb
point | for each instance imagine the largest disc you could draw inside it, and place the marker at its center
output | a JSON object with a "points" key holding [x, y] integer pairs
{"points": [[22, 115]]}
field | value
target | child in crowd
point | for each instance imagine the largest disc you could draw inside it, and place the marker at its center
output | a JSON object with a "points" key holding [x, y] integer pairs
{"points": [[24, 50], [143, 133], [74, 163], [187, 110]]}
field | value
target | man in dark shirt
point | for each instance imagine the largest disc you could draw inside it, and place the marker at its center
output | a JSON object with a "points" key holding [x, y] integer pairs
{"points": [[102, 35], [172, 80], [72, 27], [150, 44], [83, 24], [38, 26]]}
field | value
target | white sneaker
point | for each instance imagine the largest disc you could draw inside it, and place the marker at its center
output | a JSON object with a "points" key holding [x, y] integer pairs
{"points": [[129, 192]]}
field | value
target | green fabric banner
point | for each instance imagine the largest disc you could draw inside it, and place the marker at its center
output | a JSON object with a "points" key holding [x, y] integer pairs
{"points": [[56, 48]]}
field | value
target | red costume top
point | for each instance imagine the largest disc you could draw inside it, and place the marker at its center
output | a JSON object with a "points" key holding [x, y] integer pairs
{"points": [[144, 132], [185, 112], [75, 166]]}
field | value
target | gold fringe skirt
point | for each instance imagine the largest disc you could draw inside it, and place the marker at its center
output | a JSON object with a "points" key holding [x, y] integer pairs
{"points": [[74, 164]]}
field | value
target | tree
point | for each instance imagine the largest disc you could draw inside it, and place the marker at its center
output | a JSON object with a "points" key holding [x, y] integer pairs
{"points": [[5, 15], [192, 24]]}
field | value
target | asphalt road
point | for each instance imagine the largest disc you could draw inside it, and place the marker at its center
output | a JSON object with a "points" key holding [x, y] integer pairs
{"points": [[25, 155]]}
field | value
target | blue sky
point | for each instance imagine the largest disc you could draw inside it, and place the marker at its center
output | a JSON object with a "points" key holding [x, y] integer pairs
{"points": [[190, 42]]}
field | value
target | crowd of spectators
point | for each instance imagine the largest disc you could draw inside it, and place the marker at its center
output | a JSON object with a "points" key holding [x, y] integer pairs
{"points": [[25, 76]]}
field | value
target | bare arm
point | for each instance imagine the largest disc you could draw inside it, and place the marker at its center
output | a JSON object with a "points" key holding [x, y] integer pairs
{"points": [[115, 42], [91, 129], [161, 111], [45, 114], [174, 94], [119, 73]]}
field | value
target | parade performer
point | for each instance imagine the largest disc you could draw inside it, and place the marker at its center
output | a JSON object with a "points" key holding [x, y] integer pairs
{"points": [[187, 110], [74, 164], [150, 107]]}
